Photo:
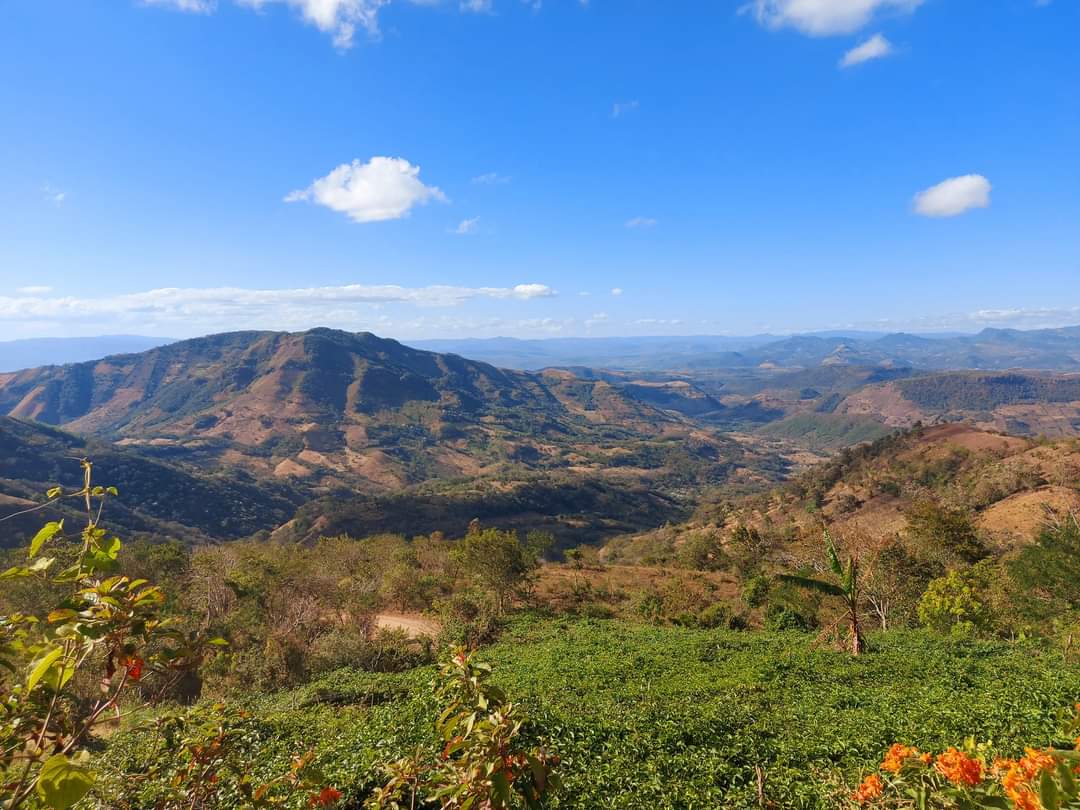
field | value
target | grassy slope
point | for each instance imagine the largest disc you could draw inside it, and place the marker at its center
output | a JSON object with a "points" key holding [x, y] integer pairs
{"points": [[665, 718]]}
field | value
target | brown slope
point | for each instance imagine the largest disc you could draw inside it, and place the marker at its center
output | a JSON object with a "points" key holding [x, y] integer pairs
{"points": [[329, 408]]}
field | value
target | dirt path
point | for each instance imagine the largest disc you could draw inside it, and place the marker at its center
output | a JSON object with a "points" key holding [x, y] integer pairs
{"points": [[413, 625]]}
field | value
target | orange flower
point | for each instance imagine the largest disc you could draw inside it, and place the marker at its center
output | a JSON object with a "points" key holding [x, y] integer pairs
{"points": [[926, 759], [1036, 761], [870, 789], [896, 756], [959, 768], [1026, 800], [326, 797]]}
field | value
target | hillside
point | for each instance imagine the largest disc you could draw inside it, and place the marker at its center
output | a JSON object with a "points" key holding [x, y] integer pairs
{"points": [[1027, 403], [157, 498], [328, 409], [1008, 485]]}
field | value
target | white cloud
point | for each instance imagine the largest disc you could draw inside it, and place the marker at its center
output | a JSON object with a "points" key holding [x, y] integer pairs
{"points": [[466, 227], [34, 290], [491, 179], [381, 189], [954, 196], [339, 18], [874, 48], [620, 108], [597, 319], [823, 17], [476, 6], [640, 222], [616, 291], [55, 196], [187, 310], [190, 6]]}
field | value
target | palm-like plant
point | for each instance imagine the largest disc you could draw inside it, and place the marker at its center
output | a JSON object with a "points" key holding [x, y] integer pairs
{"points": [[845, 586]]}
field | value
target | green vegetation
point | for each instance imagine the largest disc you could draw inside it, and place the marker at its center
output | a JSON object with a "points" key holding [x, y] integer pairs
{"points": [[267, 673], [666, 717], [825, 431]]}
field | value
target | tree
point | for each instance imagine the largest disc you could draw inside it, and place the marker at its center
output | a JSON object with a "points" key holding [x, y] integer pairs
{"points": [[496, 560], [893, 581], [846, 587], [956, 603], [940, 530]]}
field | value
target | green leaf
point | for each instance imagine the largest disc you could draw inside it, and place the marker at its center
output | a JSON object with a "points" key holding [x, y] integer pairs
{"points": [[48, 531], [1068, 781], [63, 782], [1048, 791], [502, 788], [41, 666]]}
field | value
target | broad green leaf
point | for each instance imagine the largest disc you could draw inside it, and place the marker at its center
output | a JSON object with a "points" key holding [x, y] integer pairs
{"points": [[41, 666], [63, 782], [1068, 781], [1048, 791], [502, 788], [48, 531]]}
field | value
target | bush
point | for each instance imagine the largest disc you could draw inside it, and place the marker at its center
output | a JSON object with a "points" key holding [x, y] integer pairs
{"points": [[785, 617]]}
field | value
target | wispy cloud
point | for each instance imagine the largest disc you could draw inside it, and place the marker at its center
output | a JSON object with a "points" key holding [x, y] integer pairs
{"points": [[53, 195], [466, 227], [341, 19], [823, 17], [954, 196], [621, 108], [876, 47], [491, 179], [381, 189], [187, 310], [616, 291], [189, 6], [640, 222]]}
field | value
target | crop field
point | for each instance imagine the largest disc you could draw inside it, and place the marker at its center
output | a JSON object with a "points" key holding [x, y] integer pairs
{"points": [[643, 716]]}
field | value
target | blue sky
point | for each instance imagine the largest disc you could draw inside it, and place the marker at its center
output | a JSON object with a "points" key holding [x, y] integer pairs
{"points": [[554, 168]]}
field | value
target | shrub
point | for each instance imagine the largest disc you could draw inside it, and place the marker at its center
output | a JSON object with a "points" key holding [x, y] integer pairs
{"points": [[955, 604]]}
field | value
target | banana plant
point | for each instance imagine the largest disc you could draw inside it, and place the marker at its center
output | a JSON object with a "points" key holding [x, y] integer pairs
{"points": [[844, 585]]}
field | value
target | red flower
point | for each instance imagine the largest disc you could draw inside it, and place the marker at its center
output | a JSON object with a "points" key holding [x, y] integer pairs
{"points": [[327, 797], [135, 668]]}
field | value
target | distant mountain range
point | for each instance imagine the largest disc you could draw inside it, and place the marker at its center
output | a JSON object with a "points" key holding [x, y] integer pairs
{"points": [[990, 349], [309, 432], [32, 352]]}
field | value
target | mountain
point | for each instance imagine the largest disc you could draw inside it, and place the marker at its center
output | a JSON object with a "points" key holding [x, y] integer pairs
{"points": [[1026, 403], [991, 349], [32, 352], [327, 410]]}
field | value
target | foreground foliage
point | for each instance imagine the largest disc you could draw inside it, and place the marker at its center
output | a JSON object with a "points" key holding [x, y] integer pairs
{"points": [[1042, 779], [667, 717]]}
